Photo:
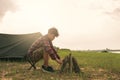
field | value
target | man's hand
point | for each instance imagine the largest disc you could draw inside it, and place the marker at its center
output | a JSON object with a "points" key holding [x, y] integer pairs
{"points": [[59, 61]]}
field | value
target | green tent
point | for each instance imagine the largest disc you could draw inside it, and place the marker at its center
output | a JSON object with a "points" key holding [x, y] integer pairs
{"points": [[16, 45]]}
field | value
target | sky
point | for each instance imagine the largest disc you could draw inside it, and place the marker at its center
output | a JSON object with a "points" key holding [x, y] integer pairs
{"points": [[82, 24]]}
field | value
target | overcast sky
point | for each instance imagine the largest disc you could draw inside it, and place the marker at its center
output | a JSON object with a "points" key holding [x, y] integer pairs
{"points": [[82, 24]]}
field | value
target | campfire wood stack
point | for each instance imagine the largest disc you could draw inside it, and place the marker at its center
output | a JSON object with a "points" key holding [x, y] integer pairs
{"points": [[70, 65]]}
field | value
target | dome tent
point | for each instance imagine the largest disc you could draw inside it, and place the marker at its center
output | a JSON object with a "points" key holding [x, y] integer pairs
{"points": [[16, 45]]}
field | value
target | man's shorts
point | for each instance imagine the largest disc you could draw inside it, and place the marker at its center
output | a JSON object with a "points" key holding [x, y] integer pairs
{"points": [[35, 56]]}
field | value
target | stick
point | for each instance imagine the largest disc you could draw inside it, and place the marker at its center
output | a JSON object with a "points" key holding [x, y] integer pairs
{"points": [[70, 63]]}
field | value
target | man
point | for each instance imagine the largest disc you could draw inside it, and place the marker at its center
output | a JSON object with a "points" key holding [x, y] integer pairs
{"points": [[43, 48]]}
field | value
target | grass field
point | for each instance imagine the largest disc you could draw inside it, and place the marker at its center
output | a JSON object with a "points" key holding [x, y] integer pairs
{"points": [[94, 66]]}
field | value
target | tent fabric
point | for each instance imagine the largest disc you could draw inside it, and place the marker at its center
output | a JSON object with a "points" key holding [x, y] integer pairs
{"points": [[16, 45]]}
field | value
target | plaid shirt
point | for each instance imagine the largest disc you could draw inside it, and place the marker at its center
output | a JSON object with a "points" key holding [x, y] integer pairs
{"points": [[46, 44]]}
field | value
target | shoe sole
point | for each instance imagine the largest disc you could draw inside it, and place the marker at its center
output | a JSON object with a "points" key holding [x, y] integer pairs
{"points": [[46, 71]]}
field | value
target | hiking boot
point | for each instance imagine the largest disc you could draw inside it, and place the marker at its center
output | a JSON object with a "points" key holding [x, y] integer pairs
{"points": [[48, 69]]}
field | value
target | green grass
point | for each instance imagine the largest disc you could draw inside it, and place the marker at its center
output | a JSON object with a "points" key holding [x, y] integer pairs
{"points": [[94, 65]]}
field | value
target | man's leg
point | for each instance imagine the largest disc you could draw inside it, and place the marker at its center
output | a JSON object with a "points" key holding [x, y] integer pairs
{"points": [[46, 59], [45, 66]]}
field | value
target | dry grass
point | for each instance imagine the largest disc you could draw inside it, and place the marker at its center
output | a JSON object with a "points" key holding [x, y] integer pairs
{"points": [[97, 70]]}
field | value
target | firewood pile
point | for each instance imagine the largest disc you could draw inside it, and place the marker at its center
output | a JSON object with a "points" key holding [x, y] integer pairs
{"points": [[70, 65]]}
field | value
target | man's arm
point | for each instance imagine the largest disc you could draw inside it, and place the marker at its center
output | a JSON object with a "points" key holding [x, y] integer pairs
{"points": [[49, 49], [58, 61]]}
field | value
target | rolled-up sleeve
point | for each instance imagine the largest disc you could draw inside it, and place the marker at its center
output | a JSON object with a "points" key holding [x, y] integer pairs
{"points": [[48, 48]]}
